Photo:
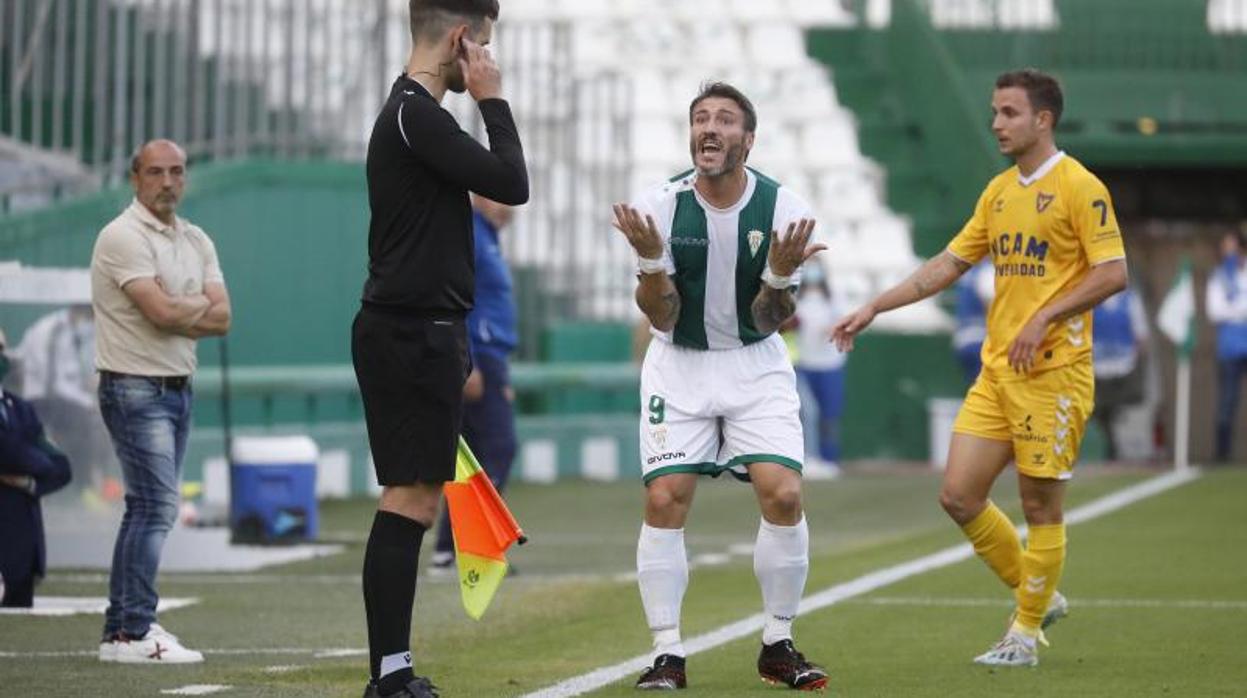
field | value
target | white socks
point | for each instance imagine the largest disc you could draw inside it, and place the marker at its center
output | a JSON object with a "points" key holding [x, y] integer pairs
{"points": [[781, 561], [662, 574], [395, 662]]}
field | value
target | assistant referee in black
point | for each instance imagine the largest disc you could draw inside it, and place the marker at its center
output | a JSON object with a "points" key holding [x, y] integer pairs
{"points": [[409, 342]]}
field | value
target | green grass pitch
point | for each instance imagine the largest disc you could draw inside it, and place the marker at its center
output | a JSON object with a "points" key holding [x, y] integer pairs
{"points": [[1158, 593]]}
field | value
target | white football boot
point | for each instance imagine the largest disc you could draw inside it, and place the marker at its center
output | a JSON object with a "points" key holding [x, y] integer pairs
{"points": [[1015, 649], [1058, 608]]}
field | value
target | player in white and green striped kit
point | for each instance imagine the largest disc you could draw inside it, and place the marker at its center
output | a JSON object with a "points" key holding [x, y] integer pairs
{"points": [[719, 254]]}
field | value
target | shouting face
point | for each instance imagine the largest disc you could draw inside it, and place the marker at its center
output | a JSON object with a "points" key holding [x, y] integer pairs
{"points": [[718, 140]]}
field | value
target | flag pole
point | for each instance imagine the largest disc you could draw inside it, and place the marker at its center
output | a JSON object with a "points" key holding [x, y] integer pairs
{"points": [[1182, 418]]}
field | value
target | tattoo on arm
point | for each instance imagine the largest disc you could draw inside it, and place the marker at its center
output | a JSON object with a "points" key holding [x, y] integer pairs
{"points": [[670, 308], [960, 265], [937, 274], [659, 299], [771, 308]]}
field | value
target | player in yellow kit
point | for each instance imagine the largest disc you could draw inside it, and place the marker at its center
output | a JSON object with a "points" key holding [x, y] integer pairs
{"points": [[1049, 227]]}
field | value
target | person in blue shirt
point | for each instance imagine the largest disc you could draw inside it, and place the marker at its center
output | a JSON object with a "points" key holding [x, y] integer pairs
{"points": [[975, 290], [488, 411], [820, 370], [1119, 337], [1227, 309], [30, 468]]}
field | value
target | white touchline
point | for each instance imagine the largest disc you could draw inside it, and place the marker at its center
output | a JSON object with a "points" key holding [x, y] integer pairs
{"points": [[314, 652], [593, 680], [1082, 602], [199, 689]]}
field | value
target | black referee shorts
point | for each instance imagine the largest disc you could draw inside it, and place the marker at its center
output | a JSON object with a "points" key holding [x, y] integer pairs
{"points": [[411, 372]]}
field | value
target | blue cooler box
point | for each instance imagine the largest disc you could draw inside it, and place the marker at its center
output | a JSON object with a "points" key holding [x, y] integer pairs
{"points": [[273, 490]]}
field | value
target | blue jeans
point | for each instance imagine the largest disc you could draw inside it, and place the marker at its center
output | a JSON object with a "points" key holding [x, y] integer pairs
{"points": [[1230, 376], [827, 388], [148, 423]]}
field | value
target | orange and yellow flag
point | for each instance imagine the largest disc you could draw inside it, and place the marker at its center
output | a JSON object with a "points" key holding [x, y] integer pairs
{"points": [[483, 529]]}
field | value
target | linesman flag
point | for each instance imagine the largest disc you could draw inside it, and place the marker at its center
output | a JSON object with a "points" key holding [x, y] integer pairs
{"points": [[483, 528]]}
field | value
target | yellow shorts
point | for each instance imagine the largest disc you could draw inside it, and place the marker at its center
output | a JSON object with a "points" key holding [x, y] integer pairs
{"points": [[1044, 415]]}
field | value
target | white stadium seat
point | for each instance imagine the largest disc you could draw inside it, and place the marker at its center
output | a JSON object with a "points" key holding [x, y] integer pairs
{"points": [[749, 11], [776, 45], [849, 193], [656, 140], [594, 45], [820, 13], [830, 142], [963, 14], [695, 10], [715, 43], [651, 93], [1026, 14]]}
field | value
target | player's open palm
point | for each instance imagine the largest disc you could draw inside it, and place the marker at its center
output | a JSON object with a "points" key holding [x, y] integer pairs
{"points": [[480, 72], [850, 325], [789, 252], [640, 231]]}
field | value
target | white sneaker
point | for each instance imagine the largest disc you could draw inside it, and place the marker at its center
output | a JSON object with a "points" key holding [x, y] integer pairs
{"points": [[1058, 608], [819, 469], [159, 646], [442, 566], [1014, 650], [108, 650]]}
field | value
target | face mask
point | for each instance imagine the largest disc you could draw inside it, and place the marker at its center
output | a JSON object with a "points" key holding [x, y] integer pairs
{"points": [[4, 365]]}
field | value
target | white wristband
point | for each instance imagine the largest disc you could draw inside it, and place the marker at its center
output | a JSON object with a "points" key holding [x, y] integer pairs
{"points": [[651, 266], [779, 283]]}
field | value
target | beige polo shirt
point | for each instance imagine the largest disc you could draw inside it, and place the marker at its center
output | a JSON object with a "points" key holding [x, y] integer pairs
{"points": [[137, 245]]}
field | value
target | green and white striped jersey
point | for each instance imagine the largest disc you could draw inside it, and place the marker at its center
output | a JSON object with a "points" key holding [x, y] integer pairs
{"points": [[716, 256]]}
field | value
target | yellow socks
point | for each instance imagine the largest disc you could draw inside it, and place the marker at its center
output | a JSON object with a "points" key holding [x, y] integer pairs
{"points": [[1041, 570], [996, 541]]}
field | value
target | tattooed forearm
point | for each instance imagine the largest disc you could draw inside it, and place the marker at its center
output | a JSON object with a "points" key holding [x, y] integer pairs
{"points": [[771, 308], [669, 310], [935, 275], [658, 298]]}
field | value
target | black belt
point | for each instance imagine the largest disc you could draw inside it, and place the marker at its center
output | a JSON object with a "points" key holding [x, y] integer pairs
{"points": [[168, 382]]}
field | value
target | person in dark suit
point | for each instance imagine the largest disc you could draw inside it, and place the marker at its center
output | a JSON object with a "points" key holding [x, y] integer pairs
{"points": [[30, 468]]}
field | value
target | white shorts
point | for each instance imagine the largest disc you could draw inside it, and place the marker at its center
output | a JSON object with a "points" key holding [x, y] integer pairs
{"points": [[706, 411]]}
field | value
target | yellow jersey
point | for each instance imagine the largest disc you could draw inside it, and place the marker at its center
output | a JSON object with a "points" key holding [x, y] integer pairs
{"points": [[1044, 233]]}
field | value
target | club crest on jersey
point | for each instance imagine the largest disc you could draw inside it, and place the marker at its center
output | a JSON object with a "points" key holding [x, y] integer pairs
{"points": [[755, 241], [1042, 200], [659, 434]]}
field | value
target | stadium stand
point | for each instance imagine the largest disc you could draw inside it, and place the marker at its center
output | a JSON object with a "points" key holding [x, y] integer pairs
{"points": [[866, 108]]}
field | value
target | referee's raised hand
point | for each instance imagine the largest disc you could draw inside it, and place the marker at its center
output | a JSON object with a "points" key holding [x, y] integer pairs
{"points": [[480, 72]]}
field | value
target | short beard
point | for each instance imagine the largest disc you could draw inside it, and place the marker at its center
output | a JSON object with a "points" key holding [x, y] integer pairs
{"points": [[1016, 150], [732, 159]]}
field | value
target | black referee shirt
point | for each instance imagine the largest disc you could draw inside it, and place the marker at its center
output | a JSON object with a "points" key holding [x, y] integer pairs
{"points": [[421, 166]]}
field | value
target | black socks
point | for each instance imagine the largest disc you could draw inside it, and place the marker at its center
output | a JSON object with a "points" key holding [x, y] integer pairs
{"points": [[390, 564]]}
